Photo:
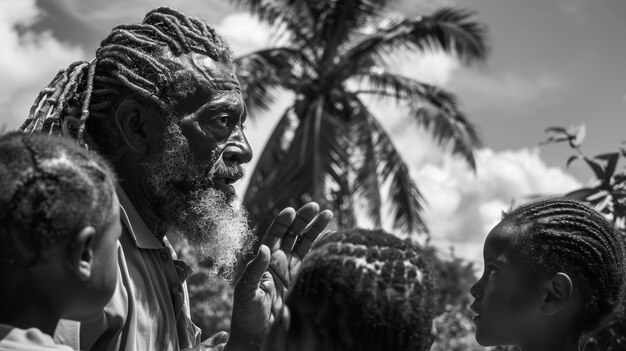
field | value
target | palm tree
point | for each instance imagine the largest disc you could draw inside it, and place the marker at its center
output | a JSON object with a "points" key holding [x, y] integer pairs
{"points": [[328, 147]]}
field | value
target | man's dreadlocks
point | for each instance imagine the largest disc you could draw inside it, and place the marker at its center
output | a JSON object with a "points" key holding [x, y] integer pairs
{"points": [[131, 62]]}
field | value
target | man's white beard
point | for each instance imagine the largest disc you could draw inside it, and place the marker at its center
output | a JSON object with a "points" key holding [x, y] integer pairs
{"points": [[181, 191]]}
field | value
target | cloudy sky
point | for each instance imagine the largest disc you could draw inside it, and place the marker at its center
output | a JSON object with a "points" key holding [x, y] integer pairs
{"points": [[553, 63]]}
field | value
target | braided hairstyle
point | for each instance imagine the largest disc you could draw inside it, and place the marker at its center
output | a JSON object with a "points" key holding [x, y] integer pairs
{"points": [[368, 290], [133, 61], [571, 237], [51, 189]]}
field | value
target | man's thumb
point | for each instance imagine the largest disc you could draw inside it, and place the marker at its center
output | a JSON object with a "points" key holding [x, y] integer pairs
{"points": [[253, 273]]}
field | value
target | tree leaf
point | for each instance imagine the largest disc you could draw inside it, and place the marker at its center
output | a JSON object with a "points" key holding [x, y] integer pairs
{"points": [[262, 72], [448, 29], [451, 127], [405, 198], [571, 159], [556, 130], [581, 194], [595, 167], [611, 162], [366, 160]]}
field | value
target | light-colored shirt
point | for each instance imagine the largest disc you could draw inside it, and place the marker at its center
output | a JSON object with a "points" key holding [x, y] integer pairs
{"points": [[150, 307], [32, 339]]}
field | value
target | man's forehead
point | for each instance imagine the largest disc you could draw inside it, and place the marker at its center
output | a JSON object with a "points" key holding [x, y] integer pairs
{"points": [[203, 72]]}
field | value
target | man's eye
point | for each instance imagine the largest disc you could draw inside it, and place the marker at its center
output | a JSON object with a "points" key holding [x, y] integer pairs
{"points": [[221, 121]]}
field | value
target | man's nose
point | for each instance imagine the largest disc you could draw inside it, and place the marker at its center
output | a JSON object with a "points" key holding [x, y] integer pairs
{"points": [[238, 149]]}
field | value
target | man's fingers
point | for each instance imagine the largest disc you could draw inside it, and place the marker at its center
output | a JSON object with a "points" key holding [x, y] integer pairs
{"points": [[251, 277], [216, 339], [312, 232], [304, 216], [278, 228]]}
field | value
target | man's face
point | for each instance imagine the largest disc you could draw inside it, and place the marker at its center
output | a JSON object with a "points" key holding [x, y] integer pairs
{"points": [[190, 174], [211, 118]]}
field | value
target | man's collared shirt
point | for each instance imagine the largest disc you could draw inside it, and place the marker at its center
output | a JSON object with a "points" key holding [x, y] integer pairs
{"points": [[32, 339], [150, 307]]}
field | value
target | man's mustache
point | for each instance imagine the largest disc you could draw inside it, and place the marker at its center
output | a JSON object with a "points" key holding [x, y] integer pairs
{"points": [[233, 171]]}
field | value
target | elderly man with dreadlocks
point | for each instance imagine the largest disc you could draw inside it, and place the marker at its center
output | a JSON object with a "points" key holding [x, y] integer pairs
{"points": [[161, 102]]}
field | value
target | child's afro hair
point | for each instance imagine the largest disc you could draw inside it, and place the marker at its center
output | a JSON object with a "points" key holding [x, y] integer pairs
{"points": [[51, 189], [369, 291]]}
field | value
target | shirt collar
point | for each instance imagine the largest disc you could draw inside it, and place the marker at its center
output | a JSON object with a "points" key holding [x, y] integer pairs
{"points": [[138, 229]]}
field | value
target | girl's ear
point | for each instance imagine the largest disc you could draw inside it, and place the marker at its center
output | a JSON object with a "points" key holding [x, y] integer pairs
{"points": [[81, 253], [558, 293]]}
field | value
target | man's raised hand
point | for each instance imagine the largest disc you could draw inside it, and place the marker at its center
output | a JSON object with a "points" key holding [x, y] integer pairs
{"points": [[261, 290]]}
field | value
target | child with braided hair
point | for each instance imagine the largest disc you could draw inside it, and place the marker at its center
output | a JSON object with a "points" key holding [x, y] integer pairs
{"points": [[554, 270], [59, 230], [358, 290]]}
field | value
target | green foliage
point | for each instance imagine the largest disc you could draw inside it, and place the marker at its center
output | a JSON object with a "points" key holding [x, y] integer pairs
{"points": [[210, 297], [455, 331], [211, 300], [607, 194], [328, 147], [453, 277]]}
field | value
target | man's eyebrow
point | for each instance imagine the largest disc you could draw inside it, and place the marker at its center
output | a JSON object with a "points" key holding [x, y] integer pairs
{"points": [[223, 84], [224, 105]]}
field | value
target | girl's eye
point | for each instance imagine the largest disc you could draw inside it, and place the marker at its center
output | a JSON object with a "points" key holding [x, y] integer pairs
{"points": [[491, 269]]}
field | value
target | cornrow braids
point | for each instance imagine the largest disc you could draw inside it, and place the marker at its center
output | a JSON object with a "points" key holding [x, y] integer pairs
{"points": [[130, 62], [569, 236], [370, 291], [51, 189]]}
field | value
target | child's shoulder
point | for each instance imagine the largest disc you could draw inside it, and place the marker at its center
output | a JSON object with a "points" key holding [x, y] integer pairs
{"points": [[33, 339]]}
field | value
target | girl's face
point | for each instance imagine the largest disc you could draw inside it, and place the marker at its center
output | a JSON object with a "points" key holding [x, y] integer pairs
{"points": [[507, 298]]}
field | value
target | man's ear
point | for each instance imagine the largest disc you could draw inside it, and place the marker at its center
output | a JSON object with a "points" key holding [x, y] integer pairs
{"points": [[132, 119], [81, 253], [558, 292]]}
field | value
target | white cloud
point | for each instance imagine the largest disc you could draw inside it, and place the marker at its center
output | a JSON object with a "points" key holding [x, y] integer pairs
{"points": [[103, 15], [463, 207], [429, 67], [244, 32], [27, 61]]}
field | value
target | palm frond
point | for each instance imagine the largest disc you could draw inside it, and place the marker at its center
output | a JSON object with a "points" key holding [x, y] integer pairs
{"points": [[311, 168], [341, 18], [433, 108], [290, 19], [365, 160], [256, 198], [260, 73], [403, 89], [450, 126], [450, 30], [404, 197]]}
